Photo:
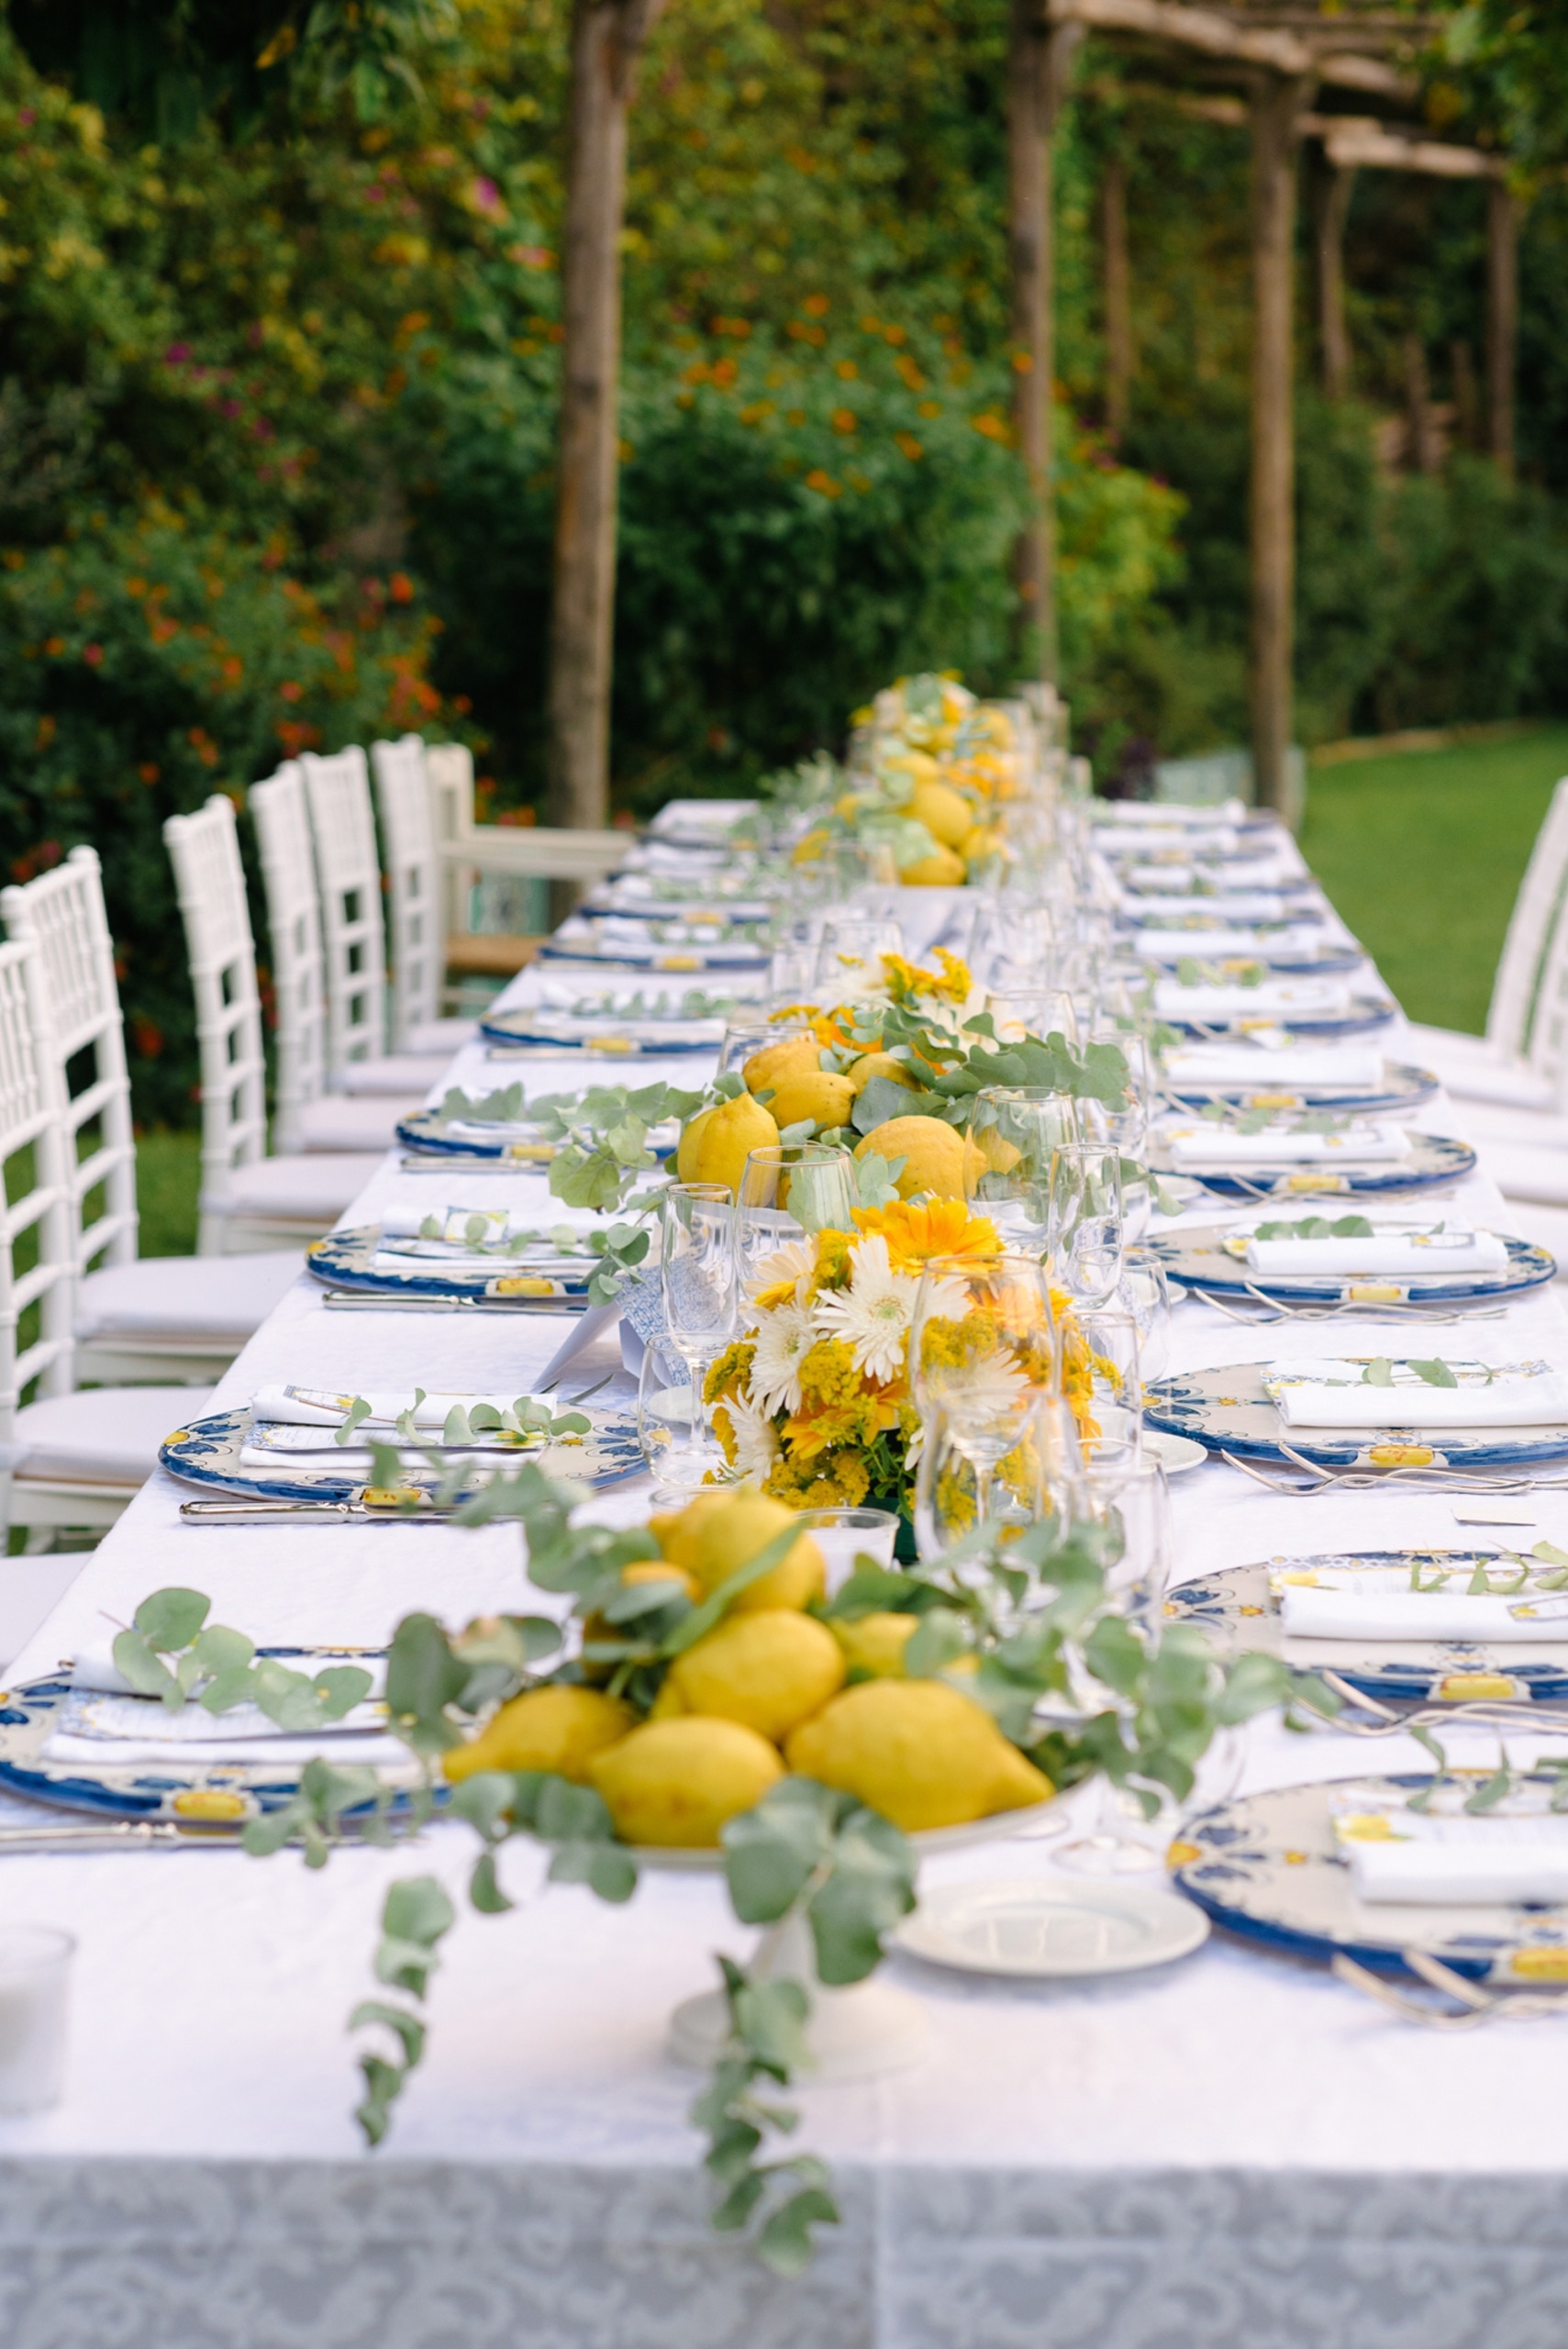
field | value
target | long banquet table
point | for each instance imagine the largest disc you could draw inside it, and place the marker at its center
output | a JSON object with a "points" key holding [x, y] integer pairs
{"points": [[1233, 2151]]}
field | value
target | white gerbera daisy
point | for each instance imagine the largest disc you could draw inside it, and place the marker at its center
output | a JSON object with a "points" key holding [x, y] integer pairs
{"points": [[795, 1262], [872, 1316], [783, 1338], [756, 1443]]}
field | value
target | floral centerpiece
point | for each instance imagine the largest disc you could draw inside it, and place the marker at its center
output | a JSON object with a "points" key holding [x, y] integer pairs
{"points": [[930, 766], [812, 1402]]}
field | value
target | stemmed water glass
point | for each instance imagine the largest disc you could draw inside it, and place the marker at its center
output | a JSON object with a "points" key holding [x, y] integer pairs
{"points": [[1019, 1010], [1014, 1132], [983, 1349], [1103, 1365], [749, 1032], [850, 953], [1086, 1230], [697, 1278], [788, 1192]]}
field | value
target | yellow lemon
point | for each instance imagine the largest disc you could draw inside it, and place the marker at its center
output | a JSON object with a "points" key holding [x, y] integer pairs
{"points": [[769, 1669], [945, 813], [792, 1057], [917, 1751], [596, 1627], [943, 869], [827, 1100], [876, 1643], [544, 1729], [733, 1533], [978, 845], [870, 1064], [934, 1155], [918, 765], [674, 1782], [807, 850], [716, 1145]]}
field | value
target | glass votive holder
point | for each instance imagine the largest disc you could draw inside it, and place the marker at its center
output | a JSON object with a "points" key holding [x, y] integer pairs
{"points": [[844, 1536], [35, 1972]]}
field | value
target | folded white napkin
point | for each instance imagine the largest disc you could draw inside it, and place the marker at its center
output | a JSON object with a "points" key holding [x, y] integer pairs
{"points": [[1334, 1395], [1244, 873], [1388, 1252], [1291, 943], [609, 1031], [1270, 1000], [718, 816], [1470, 1863], [1356, 1067], [1250, 905], [94, 1669], [278, 1751], [1167, 814], [108, 1722], [1138, 840], [1214, 1145], [1354, 1613]]}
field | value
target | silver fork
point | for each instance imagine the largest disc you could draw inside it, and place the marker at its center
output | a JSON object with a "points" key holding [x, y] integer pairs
{"points": [[1477, 2004]]}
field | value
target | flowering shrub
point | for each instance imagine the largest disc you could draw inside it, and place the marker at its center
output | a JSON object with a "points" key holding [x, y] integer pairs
{"points": [[145, 665]]}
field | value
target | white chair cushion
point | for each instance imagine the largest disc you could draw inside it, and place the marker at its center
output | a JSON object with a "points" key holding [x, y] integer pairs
{"points": [[102, 1435], [1490, 1127], [419, 1072], [311, 1189], [369, 1123], [1472, 1070], [445, 1036], [223, 1297], [1523, 1174]]}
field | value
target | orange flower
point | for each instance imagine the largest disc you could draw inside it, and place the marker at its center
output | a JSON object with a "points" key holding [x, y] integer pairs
{"points": [[939, 1228]]}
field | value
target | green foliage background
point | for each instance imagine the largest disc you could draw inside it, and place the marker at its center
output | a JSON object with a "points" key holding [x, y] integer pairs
{"points": [[278, 357]]}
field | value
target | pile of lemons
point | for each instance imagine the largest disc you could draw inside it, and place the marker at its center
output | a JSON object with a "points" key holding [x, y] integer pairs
{"points": [[787, 1083], [771, 1688]]}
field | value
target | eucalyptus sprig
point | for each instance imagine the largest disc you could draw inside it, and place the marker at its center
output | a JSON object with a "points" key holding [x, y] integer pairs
{"points": [[170, 1652]]}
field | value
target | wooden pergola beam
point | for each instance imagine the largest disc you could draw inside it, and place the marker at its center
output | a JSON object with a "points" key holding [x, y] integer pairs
{"points": [[1354, 143]]}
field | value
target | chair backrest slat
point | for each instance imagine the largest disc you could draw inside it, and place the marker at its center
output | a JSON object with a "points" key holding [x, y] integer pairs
{"points": [[63, 914], [348, 875], [294, 922], [414, 890], [1521, 969], [30, 1105], [448, 767], [209, 881]]}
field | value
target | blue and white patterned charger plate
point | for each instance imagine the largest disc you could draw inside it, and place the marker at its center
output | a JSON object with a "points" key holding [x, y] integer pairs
{"points": [[1430, 1160], [216, 1796], [1268, 1868], [1226, 1410], [1198, 1257], [606, 1039], [430, 1133], [1405, 1087], [1292, 962], [1366, 1012], [207, 1452], [346, 1260], [1238, 1609], [739, 956]]}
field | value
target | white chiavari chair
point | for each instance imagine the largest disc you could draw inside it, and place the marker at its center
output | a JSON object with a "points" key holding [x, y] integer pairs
{"points": [[72, 1457], [1503, 1066], [306, 1116], [414, 900], [249, 1201], [166, 1317]]}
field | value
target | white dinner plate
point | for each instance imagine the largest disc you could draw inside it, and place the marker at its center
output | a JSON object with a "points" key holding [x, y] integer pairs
{"points": [[1039, 1929], [1175, 1453]]}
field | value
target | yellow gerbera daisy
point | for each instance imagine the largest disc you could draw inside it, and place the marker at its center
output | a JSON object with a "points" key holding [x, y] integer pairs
{"points": [[915, 1233]]}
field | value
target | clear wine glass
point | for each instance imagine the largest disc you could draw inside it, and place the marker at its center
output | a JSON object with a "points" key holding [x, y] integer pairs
{"points": [[850, 952], [1145, 1291], [1019, 1006], [1086, 1231], [749, 1032], [1015, 1131], [1101, 1352], [697, 1278], [788, 1192], [982, 1350]]}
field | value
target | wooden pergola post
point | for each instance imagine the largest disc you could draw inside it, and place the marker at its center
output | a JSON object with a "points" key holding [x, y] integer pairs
{"points": [[1038, 61], [1333, 190], [607, 39], [1502, 320], [1116, 290], [1278, 102]]}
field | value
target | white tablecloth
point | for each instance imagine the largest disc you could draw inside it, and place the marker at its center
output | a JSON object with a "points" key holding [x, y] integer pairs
{"points": [[1233, 2154]]}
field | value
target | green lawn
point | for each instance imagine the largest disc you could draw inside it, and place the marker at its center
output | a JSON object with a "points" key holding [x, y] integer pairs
{"points": [[1422, 853], [168, 1177]]}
